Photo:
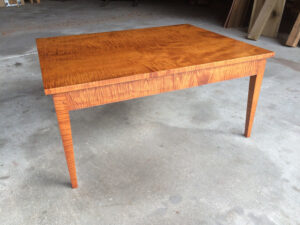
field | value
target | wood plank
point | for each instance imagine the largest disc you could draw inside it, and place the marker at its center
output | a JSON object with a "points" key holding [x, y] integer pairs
{"points": [[271, 27], [273, 23], [237, 14], [90, 60], [262, 19], [233, 5], [294, 36], [257, 5]]}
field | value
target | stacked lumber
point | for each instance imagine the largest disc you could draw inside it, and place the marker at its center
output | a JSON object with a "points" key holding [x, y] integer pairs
{"points": [[265, 18]]}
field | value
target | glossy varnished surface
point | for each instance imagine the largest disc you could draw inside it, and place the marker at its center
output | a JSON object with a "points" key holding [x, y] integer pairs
{"points": [[91, 60], [95, 69], [145, 87]]}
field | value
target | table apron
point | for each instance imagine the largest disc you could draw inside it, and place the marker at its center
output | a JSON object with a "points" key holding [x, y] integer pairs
{"points": [[139, 88]]}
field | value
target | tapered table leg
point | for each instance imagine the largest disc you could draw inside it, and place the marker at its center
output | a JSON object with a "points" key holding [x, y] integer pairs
{"points": [[64, 123], [254, 89]]}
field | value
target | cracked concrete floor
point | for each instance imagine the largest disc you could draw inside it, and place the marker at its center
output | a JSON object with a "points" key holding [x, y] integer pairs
{"points": [[175, 158]]}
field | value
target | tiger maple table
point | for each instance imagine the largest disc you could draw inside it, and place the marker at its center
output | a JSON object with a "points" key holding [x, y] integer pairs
{"points": [[87, 70]]}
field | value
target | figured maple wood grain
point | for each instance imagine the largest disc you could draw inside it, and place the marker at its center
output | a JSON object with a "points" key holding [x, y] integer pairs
{"points": [[139, 88], [91, 60], [64, 123], [253, 94], [87, 70]]}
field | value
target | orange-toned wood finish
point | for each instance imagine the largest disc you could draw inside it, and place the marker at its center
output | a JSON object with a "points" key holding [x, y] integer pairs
{"points": [[87, 70], [253, 94], [63, 118]]}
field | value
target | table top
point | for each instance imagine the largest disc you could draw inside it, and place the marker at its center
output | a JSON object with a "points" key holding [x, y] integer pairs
{"points": [[89, 60]]}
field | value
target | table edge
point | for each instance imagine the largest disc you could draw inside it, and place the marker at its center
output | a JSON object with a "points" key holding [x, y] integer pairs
{"points": [[76, 87]]}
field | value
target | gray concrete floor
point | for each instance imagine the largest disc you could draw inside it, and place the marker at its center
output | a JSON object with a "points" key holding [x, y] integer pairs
{"points": [[175, 158]]}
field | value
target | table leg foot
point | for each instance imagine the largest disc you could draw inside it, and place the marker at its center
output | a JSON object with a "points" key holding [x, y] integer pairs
{"points": [[253, 94], [64, 123]]}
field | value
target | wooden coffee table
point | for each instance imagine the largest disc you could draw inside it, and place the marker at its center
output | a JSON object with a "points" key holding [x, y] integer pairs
{"points": [[87, 70]]}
